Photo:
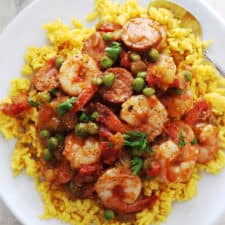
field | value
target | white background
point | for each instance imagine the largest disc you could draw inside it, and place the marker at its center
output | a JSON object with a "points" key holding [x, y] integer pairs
{"points": [[8, 9]]}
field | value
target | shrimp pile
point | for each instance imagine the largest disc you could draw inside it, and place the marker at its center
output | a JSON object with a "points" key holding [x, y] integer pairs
{"points": [[119, 112]]}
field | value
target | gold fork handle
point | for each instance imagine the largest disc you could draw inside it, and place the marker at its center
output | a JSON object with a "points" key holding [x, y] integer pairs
{"points": [[218, 67]]}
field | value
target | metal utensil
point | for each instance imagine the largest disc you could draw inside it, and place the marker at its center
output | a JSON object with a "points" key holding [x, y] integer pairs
{"points": [[187, 21]]}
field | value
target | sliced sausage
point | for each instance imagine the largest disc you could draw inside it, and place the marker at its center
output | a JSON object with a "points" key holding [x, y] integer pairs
{"points": [[94, 46], [121, 89], [46, 78], [108, 27], [141, 34]]}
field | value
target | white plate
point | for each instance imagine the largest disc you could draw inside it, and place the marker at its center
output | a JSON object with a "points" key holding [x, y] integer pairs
{"points": [[19, 193]]}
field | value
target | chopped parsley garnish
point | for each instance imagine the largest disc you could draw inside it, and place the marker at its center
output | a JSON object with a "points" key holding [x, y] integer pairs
{"points": [[137, 141], [194, 141], [65, 106], [32, 102], [136, 165], [182, 141], [53, 92], [114, 50]]}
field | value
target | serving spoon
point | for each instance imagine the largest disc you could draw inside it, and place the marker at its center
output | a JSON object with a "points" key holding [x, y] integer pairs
{"points": [[187, 21]]}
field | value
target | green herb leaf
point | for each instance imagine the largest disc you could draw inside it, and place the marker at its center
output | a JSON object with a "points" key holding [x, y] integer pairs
{"points": [[136, 140], [194, 141], [136, 164], [111, 145], [114, 50], [32, 102], [65, 106], [182, 141], [53, 92]]}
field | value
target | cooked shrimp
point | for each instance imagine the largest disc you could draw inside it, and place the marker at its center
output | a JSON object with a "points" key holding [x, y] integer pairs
{"points": [[76, 74], [141, 34], [171, 163], [163, 71], [208, 141], [145, 114], [60, 173], [178, 104], [175, 159], [79, 151], [119, 190]]}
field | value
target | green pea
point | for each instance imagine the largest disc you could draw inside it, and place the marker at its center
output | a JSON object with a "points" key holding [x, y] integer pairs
{"points": [[142, 74], [60, 137], [187, 75], [44, 133], [135, 57], [138, 84], [81, 129], [148, 91], [96, 81], [108, 79], [106, 62], [92, 128], [107, 36], [153, 55], [47, 154], [53, 143], [94, 116], [58, 62], [177, 91], [43, 97], [109, 214], [84, 118]]}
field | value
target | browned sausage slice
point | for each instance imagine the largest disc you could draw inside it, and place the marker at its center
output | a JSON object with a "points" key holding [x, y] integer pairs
{"points": [[94, 46], [46, 78], [108, 27], [141, 34], [121, 89]]}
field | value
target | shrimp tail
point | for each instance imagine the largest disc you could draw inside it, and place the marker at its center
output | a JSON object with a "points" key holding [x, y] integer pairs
{"points": [[84, 98], [124, 208], [109, 119]]}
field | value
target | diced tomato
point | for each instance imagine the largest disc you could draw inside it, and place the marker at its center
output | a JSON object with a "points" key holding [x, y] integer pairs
{"points": [[108, 27], [125, 60], [151, 81], [179, 83], [154, 169], [19, 104], [109, 154], [118, 191], [52, 61], [200, 112]]}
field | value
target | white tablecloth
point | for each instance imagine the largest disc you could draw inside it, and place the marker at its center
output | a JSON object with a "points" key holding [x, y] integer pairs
{"points": [[8, 9]]}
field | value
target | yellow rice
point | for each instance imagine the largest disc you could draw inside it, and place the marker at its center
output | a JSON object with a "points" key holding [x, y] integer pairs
{"points": [[185, 49]]}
